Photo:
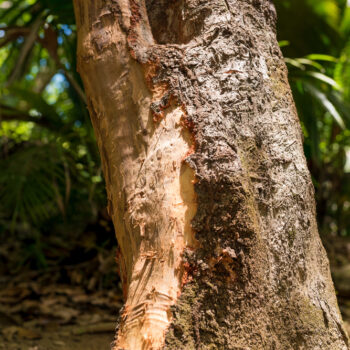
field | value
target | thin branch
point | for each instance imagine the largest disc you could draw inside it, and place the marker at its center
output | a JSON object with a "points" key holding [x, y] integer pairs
{"points": [[27, 46], [75, 85], [12, 33], [47, 42], [24, 118]]}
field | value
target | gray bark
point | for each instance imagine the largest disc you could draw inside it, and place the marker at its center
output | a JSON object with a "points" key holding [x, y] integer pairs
{"points": [[200, 87]]}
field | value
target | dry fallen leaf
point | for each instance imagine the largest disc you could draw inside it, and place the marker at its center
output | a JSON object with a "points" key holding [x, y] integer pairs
{"points": [[106, 327], [66, 314], [28, 334], [81, 298], [59, 343], [27, 306], [10, 332]]}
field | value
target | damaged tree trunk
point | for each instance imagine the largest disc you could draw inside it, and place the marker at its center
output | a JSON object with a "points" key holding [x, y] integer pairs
{"points": [[207, 183]]}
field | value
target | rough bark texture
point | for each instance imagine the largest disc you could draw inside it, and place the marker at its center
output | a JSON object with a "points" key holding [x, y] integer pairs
{"points": [[207, 183]]}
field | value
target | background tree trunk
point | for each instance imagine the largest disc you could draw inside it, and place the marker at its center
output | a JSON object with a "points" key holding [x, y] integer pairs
{"points": [[207, 183]]}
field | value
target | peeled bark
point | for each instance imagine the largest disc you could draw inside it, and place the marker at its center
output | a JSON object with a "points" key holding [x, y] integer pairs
{"points": [[207, 183]]}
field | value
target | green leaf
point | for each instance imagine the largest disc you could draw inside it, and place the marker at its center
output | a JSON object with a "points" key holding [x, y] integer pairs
{"points": [[324, 78], [283, 43], [294, 62], [306, 61], [327, 104], [322, 57]]}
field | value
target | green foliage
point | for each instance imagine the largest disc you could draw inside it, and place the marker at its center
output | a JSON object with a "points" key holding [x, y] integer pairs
{"points": [[319, 73], [50, 169]]}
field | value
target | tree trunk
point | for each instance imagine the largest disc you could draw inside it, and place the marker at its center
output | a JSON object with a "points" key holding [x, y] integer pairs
{"points": [[207, 183]]}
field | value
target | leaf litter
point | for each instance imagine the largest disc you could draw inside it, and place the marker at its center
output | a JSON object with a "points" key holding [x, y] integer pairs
{"points": [[63, 306]]}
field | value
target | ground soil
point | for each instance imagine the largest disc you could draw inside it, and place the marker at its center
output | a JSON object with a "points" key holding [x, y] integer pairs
{"points": [[61, 339], [38, 312]]}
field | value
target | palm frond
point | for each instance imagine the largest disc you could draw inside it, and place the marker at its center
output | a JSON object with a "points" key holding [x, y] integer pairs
{"points": [[27, 183], [325, 102]]}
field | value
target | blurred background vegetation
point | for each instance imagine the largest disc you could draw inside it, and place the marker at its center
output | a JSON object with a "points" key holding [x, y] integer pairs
{"points": [[52, 195], [315, 39]]}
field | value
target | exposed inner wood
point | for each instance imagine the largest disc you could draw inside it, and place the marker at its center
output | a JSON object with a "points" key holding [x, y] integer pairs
{"points": [[160, 208], [150, 187]]}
